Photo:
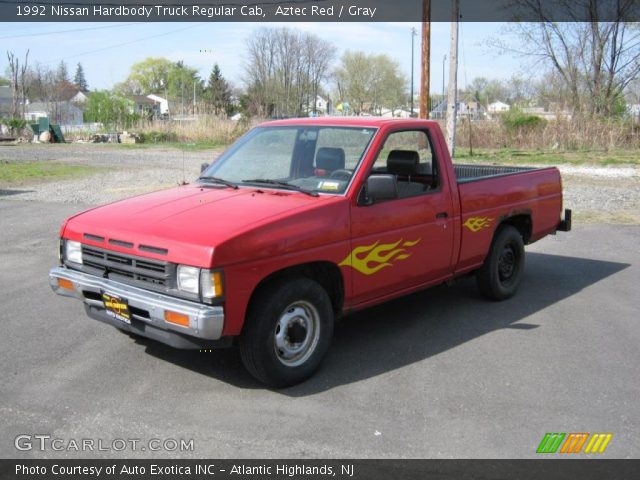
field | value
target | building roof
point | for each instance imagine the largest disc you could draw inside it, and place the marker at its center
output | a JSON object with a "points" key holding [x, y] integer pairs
{"points": [[142, 100]]}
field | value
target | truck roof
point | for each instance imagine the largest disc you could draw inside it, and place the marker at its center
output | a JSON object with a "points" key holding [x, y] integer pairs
{"points": [[374, 122]]}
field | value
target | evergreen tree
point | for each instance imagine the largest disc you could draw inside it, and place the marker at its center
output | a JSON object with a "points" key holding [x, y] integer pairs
{"points": [[80, 79], [218, 92]]}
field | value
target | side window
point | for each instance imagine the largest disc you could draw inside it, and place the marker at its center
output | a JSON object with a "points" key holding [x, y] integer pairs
{"points": [[408, 156]]}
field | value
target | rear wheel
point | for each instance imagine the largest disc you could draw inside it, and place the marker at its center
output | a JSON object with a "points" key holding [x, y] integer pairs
{"points": [[287, 332], [501, 272]]}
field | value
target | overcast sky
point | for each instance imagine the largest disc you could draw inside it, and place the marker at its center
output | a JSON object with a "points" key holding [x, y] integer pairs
{"points": [[107, 50]]}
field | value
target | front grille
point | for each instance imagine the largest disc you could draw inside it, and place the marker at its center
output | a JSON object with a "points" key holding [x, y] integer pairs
{"points": [[135, 269]]}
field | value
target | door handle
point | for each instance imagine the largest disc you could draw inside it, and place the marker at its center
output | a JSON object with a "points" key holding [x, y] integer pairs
{"points": [[442, 215]]}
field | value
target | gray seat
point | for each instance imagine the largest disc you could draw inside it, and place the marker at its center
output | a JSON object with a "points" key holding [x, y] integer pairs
{"points": [[330, 159], [404, 163]]}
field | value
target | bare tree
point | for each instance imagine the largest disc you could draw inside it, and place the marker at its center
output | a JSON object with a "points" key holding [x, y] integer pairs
{"points": [[17, 80], [285, 68], [595, 60]]}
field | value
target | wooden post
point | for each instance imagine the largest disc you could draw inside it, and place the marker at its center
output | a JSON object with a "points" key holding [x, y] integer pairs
{"points": [[426, 58], [452, 95]]}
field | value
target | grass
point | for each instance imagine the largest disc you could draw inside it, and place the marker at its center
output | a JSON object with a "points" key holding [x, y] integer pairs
{"points": [[12, 172], [509, 156]]}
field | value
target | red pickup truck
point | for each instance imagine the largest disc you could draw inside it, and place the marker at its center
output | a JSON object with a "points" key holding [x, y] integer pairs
{"points": [[297, 223]]}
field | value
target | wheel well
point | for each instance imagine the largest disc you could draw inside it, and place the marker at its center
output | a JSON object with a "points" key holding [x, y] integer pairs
{"points": [[522, 223], [327, 274]]}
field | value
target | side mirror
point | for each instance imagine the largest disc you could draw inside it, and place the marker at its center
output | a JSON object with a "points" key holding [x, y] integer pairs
{"points": [[203, 167], [380, 187]]}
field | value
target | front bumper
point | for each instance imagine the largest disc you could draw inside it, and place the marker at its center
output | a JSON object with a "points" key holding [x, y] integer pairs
{"points": [[147, 310]]}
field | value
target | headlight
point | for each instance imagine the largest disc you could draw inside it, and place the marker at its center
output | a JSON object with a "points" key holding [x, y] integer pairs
{"points": [[211, 284], [188, 279], [73, 251]]}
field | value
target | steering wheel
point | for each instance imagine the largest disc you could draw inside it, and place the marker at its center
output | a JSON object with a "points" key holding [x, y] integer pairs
{"points": [[341, 172]]}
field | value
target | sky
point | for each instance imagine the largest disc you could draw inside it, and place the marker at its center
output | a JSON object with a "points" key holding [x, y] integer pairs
{"points": [[108, 50]]}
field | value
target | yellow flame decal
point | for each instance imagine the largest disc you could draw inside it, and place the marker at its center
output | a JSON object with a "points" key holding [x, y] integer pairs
{"points": [[379, 255], [475, 224]]}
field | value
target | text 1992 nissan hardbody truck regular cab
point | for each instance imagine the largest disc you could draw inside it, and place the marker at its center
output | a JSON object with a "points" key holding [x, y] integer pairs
{"points": [[299, 222]]}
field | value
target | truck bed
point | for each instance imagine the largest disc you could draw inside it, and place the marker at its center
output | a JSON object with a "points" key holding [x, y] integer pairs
{"points": [[466, 173]]}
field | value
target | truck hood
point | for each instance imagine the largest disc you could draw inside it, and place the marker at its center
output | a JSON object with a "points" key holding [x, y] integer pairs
{"points": [[187, 224]]}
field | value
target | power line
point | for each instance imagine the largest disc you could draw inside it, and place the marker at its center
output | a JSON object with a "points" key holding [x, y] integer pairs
{"points": [[125, 43], [39, 34]]}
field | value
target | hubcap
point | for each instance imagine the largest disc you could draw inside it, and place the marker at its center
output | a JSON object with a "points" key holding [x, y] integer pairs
{"points": [[507, 263], [297, 333]]}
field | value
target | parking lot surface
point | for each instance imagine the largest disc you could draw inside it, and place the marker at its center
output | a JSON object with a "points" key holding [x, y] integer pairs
{"points": [[438, 374]]}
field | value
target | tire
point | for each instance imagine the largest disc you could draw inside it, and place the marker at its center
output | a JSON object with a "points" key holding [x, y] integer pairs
{"points": [[501, 272], [287, 332]]}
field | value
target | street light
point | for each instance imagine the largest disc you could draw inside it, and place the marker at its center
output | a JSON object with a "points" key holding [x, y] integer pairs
{"points": [[413, 34]]}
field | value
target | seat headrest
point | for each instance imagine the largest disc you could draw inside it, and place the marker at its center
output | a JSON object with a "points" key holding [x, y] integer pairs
{"points": [[330, 158], [403, 162]]}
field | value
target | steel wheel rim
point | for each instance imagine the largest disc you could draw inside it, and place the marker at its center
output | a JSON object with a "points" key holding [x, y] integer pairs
{"points": [[297, 333], [507, 263]]}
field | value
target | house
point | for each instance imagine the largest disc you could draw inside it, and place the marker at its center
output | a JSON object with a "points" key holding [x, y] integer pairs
{"points": [[163, 102], [80, 98], [469, 110], [6, 101], [145, 106], [63, 113], [498, 107]]}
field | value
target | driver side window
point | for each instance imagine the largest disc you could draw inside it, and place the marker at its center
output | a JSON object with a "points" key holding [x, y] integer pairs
{"points": [[408, 157]]}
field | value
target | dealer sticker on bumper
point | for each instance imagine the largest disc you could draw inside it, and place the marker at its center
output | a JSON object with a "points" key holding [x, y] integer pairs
{"points": [[116, 307]]}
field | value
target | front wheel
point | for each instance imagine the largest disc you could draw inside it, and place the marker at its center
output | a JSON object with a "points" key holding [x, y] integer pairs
{"points": [[288, 330], [501, 272]]}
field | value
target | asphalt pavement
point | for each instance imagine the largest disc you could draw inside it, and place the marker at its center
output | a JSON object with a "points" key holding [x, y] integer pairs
{"points": [[438, 374]]}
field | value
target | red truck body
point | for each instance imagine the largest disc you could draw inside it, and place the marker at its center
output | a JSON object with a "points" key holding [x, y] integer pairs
{"points": [[373, 252]]}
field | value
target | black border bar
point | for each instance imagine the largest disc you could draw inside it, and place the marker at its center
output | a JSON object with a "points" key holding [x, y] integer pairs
{"points": [[548, 469], [316, 10]]}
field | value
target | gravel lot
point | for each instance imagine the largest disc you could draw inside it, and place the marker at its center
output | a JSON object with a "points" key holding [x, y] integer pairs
{"points": [[596, 194]]}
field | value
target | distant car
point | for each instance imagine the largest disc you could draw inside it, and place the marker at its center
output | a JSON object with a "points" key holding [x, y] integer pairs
{"points": [[299, 222]]}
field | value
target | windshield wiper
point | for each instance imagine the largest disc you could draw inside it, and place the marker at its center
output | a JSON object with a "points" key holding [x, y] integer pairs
{"points": [[288, 186], [219, 180]]}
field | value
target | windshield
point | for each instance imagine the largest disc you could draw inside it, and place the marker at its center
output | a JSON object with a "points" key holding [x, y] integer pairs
{"points": [[305, 158]]}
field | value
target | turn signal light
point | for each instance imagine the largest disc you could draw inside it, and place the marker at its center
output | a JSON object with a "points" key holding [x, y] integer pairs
{"points": [[177, 318], [66, 284]]}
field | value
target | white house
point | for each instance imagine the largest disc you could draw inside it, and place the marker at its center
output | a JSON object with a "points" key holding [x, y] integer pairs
{"points": [[63, 113], [498, 107], [162, 102]]}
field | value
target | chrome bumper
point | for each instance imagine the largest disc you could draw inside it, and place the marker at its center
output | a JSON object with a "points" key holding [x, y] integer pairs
{"points": [[205, 322]]}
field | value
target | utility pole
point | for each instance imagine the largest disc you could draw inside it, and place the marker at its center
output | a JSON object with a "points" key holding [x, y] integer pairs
{"points": [[452, 96], [426, 58], [444, 59], [413, 34]]}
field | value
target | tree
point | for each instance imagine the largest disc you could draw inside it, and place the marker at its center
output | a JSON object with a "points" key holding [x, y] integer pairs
{"points": [[594, 60], [4, 82], [80, 80], [285, 68], [370, 82], [161, 76], [218, 92], [111, 109], [17, 81], [62, 73], [149, 76]]}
